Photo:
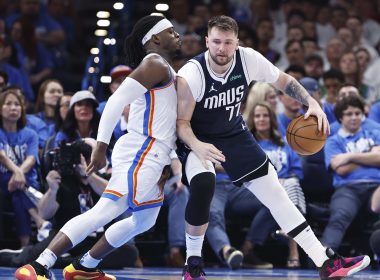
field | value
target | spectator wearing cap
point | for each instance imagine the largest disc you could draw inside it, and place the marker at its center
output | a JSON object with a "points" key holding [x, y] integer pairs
{"points": [[118, 74], [81, 120], [312, 87]]}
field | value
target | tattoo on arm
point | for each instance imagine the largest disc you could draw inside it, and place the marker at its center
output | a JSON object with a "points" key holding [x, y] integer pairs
{"points": [[294, 89]]}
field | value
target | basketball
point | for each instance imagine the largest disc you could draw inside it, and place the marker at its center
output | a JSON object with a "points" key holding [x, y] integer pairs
{"points": [[303, 136]]}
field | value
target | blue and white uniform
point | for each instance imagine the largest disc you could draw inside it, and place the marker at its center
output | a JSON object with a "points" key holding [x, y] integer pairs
{"points": [[139, 156]]}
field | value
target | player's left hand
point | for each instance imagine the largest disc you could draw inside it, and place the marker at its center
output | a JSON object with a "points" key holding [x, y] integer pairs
{"points": [[316, 110]]}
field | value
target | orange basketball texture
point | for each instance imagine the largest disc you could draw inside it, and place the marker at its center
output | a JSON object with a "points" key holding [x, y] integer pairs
{"points": [[303, 136]]}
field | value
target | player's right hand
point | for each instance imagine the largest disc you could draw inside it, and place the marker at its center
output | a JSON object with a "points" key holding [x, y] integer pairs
{"points": [[206, 151], [98, 158]]}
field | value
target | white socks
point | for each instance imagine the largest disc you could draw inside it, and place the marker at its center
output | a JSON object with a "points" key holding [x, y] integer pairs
{"points": [[312, 246], [194, 245], [47, 258], [88, 261]]}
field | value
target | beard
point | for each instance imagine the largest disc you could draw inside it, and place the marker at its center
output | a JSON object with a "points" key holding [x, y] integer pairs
{"points": [[217, 59]]}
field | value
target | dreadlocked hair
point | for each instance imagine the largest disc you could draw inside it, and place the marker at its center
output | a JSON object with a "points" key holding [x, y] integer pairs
{"points": [[134, 49]]}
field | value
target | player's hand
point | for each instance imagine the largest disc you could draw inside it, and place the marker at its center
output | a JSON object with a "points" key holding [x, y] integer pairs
{"points": [[316, 110], [98, 158], [206, 151]]}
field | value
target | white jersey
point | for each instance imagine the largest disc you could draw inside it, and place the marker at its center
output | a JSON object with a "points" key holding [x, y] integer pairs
{"points": [[155, 113]]}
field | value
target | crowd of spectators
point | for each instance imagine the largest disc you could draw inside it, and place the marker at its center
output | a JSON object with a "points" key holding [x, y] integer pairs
{"points": [[47, 133]]}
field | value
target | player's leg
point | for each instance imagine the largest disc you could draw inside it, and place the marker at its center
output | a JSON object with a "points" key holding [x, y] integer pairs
{"points": [[72, 233], [270, 192], [115, 236], [202, 185]]}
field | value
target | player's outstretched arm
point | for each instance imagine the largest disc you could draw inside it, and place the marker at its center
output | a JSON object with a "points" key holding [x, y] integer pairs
{"points": [[293, 88], [152, 71]]}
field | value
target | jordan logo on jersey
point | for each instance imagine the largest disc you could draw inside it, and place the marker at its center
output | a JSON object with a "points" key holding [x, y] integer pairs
{"points": [[212, 88]]}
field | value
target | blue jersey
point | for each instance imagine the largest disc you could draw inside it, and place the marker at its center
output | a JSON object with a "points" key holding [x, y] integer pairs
{"points": [[18, 146], [218, 113], [361, 142], [283, 158]]}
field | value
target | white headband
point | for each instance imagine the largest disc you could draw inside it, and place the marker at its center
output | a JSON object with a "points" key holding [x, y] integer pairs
{"points": [[160, 26]]}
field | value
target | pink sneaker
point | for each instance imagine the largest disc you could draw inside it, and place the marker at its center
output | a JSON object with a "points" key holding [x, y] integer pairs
{"points": [[194, 269], [337, 267]]}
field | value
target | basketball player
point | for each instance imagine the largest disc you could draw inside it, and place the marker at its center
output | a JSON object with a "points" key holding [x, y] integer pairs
{"points": [[139, 157], [210, 89]]}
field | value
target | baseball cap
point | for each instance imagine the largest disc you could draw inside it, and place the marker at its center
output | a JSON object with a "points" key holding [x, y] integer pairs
{"points": [[83, 95], [310, 84], [120, 70]]}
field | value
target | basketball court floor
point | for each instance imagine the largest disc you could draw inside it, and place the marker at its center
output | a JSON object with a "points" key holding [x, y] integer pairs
{"points": [[212, 274]]}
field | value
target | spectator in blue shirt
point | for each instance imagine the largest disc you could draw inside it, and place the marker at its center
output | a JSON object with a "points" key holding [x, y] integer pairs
{"points": [[18, 163], [15, 76], [34, 58], [48, 94], [32, 121], [354, 158], [367, 123], [48, 31], [332, 81]]}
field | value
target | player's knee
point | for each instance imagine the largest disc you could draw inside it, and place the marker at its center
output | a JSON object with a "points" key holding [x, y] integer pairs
{"points": [[202, 188]]}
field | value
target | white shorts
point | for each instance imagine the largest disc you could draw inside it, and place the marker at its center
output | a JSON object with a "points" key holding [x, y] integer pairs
{"points": [[137, 165]]}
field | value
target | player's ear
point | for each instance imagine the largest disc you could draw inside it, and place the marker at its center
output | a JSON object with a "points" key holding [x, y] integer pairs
{"points": [[206, 39], [155, 39], [237, 44]]}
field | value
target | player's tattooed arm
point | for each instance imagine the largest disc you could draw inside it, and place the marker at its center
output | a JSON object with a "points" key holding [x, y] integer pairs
{"points": [[295, 90]]}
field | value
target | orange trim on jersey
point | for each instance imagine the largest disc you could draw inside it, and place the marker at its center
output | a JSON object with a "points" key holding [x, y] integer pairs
{"points": [[135, 177], [113, 192], [151, 113]]}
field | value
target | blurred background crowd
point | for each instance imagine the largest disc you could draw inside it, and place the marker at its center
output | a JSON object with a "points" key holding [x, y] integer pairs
{"points": [[61, 59]]}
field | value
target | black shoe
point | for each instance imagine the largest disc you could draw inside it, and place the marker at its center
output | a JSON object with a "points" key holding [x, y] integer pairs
{"points": [[233, 258], [252, 261], [7, 256]]}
